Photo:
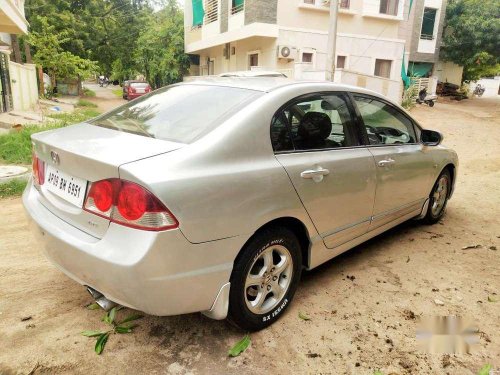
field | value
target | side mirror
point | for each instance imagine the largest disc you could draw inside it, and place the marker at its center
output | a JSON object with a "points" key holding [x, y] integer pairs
{"points": [[431, 137]]}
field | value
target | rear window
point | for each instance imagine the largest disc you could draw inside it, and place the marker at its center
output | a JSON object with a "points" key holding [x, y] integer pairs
{"points": [[139, 85], [182, 113]]}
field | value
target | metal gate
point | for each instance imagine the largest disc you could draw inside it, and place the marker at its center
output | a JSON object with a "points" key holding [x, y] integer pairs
{"points": [[5, 90]]}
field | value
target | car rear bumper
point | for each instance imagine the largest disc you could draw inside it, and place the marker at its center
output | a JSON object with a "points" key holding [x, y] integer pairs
{"points": [[160, 273], [134, 96]]}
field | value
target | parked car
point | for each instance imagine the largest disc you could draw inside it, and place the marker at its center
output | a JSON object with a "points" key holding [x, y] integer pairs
{"points": [[134, 89], [215, 196]]}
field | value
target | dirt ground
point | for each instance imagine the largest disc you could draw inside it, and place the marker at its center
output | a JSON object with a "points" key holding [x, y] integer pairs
{"points": [[358, 324]]}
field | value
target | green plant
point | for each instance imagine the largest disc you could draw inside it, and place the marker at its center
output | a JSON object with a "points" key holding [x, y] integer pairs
{"points": [[15, 147], [118, 92], [13, 188], [409, 97], [88, 92], [86, 103], [485, 370], [240, 346], [121, 327]]}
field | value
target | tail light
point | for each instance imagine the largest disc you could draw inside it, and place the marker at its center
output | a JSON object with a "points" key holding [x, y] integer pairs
{"points": [[131, 89], [127, 203], [38, 167]]}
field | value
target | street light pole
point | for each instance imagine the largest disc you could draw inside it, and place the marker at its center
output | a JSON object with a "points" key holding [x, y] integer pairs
{"points": [[332, 40]]}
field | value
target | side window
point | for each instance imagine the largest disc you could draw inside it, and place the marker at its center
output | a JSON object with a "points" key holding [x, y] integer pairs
{"points": [[280, 134], [321, 121], [384, 123]]}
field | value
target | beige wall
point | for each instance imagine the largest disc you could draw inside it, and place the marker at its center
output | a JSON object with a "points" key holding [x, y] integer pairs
{"points": [[23, 85], [353, 21], [448, 72], [266, 47]]}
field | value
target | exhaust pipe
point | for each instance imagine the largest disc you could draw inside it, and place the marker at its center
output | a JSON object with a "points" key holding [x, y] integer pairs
{"points": [[102, 301]]}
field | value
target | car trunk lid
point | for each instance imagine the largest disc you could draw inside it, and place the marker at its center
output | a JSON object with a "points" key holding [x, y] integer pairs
{"points": [[81, 154]]}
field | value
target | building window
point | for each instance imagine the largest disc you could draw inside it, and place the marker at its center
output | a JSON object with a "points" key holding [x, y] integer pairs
{"points": [[344, 4], [428, 23], [389, 7], [383, 68], [340, 62], [307, 57], [309, 2], [253, 59]]}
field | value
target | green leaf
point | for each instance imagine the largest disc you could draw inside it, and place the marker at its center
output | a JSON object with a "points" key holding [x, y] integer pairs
{"points": [[378, 372], [131, 318], [122, 329], [492, 299], [91, 333], [111, 315], [101, 342], [303, 316], [239, 347], [485, 370], [93, 306]]}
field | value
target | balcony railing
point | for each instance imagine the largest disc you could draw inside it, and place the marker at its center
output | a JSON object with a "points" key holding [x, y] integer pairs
{"points": [[211, 11], [237, 8], [427, 36]]}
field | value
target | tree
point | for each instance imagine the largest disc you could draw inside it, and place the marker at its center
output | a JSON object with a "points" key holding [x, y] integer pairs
{"points": [[50, 55], [160, 47], [470, 37]]}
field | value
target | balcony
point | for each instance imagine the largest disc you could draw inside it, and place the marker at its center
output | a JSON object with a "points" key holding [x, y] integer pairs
{"points": [[236, 18], [12, 19]]}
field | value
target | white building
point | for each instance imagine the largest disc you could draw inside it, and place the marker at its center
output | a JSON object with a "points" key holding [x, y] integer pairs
{"points": [[18, 84], [291, 36]]}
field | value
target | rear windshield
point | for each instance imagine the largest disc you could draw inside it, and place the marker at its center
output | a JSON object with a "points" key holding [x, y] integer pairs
{"points": [[141, 85], [181, 113]]}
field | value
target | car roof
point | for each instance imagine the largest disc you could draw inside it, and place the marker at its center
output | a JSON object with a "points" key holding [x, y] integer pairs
{"points": [[268, 84]]}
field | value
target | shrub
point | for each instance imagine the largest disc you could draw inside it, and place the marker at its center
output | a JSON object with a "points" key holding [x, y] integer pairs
{"points": [[86, 103]]}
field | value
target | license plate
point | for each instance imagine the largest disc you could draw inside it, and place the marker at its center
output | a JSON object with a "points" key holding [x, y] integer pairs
{"points": [[65, 186], [140, 91]]}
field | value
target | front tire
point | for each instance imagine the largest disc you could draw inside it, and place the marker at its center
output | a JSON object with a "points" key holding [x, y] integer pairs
{"points": [[438, 198], [264, 279]]}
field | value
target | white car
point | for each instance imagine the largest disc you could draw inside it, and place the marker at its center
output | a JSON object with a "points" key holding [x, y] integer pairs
{"points": [[214, 196]]}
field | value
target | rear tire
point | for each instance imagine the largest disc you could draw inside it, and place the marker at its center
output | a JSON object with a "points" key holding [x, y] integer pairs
{"points": [[438, 198], [264, 279], [431, 104]]}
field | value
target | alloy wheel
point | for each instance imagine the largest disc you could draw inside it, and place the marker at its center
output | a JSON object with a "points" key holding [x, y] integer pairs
{"points": [[268, 279]]}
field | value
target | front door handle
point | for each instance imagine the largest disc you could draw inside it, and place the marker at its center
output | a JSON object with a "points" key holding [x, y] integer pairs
{"points": [[386, 162], [315, 174]]}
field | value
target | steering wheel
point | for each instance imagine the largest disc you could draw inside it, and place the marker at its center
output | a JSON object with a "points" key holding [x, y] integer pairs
{"points": [[373, 135]]}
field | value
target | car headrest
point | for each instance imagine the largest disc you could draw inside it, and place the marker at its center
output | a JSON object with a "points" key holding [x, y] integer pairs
{"points": [[332, 103], [315, 126]]}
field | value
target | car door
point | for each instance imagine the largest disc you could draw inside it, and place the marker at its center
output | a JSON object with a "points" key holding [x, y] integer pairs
{"points": [[316, 139], [403, 165]]}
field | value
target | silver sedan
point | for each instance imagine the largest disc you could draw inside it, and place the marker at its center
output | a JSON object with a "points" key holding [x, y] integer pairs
{"points": [[214, 195]]}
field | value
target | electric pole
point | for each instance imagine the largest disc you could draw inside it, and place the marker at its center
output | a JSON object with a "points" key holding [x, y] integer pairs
{"points": [[332, 40]]}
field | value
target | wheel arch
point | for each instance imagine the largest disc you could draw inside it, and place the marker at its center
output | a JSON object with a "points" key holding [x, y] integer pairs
{"points": [[451, 168], [293, 224]]}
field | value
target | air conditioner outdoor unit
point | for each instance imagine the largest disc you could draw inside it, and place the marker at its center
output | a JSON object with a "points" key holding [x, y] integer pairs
{"points": [[287, 52]]}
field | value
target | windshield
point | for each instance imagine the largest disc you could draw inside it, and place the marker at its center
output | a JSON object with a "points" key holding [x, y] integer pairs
{"points": [[181, 113], [139, 84]]}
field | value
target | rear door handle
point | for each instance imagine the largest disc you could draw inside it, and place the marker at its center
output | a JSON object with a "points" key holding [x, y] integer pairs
{"points": [[386, 162], [315, 174]]}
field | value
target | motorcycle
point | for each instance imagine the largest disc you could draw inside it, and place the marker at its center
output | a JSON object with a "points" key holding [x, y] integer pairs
{"points": [[478, 90], [428, 99], [103, 81]]}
